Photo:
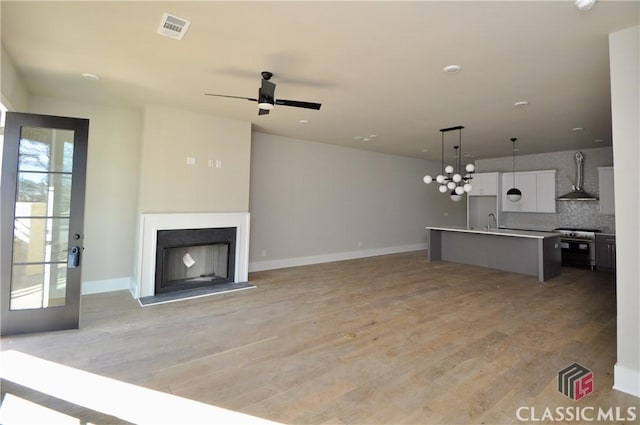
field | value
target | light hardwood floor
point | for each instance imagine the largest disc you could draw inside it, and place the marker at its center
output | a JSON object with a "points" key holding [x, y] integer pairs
{"points": [[381, 340]]}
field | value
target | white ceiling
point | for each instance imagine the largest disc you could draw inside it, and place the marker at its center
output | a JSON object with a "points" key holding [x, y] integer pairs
{"points": [[376, 67]]}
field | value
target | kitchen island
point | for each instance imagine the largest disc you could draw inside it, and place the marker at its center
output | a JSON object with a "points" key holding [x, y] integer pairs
{"points": [[520, 251]]}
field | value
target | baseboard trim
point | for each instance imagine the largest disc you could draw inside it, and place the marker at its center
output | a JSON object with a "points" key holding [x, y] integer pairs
{"points": [[258, 266], [106, 285], [124, 283], [626, 380]]}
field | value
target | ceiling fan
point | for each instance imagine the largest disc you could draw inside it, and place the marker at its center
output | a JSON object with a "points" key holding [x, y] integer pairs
{"points": [[266, 97]]}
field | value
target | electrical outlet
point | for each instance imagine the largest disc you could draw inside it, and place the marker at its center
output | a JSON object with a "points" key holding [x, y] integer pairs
{"points": [[359, 244], [263, 253]]}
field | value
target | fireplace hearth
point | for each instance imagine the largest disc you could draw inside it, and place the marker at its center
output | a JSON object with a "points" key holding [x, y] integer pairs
{"points": [[194, 258]]}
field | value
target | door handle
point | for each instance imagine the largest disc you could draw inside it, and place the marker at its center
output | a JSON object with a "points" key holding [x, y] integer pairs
{"points": [[73, 259]]}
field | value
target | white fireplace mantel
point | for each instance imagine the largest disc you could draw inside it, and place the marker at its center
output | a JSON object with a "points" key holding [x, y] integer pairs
{"points": [[149, 224]]}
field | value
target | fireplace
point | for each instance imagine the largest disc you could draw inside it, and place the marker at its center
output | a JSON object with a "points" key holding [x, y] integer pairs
{"points": [[194, 258], [212, 249]]}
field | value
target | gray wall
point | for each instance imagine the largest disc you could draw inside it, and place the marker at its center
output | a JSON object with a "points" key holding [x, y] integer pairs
{"points": [[584, 214], [313, 202]]}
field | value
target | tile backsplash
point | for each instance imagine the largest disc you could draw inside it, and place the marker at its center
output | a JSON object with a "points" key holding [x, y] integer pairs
{"points": [[584, 214]]}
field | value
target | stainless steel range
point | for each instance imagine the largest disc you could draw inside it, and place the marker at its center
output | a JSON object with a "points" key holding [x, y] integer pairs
{"points": [[578, 246]]}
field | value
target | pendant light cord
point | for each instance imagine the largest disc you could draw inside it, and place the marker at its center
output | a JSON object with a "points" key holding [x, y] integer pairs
{"points": [[513, 152], [442, 157], [460, 152]]}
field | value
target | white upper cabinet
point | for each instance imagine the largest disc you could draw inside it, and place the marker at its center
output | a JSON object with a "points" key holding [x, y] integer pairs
{"points": [[607, 197], [484, 184], [546, 191], [538, 191]]}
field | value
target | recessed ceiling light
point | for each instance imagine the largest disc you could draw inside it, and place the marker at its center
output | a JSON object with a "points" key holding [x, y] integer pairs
{"points": [[585, 4], [373, 136], [598, 141], [516, 150], [521, 104], [451, 69], [425, 150], [577, 129], [303, 121], [357, 137], [366, 139], [92, 77]]}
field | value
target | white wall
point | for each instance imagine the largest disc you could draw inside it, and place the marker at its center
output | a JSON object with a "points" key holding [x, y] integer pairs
{"points": [[111, 190], [169, 184], [624, 51], [13, 92], [313, 202]]}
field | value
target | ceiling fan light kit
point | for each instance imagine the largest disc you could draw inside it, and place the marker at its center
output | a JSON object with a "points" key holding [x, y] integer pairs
{"points": [[452, 178], [266, 97]]}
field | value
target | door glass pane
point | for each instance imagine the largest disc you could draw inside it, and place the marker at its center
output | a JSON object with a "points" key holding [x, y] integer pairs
{"points": [[45, 149], [41, 226], [43, 194], [38, 286], [40, 240]]}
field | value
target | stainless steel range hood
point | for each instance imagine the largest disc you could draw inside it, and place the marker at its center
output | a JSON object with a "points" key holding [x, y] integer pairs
{"points": [[578, 193]]}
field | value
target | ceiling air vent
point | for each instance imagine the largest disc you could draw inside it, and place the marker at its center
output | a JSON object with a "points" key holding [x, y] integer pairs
{"points": [[173, 27]]}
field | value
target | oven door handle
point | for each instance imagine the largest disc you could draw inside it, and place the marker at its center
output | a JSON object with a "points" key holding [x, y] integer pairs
{"points": [[587, 241]]}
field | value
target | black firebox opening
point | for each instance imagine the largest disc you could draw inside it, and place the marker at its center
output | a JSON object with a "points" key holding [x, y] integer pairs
{"points": [[194, 258]]}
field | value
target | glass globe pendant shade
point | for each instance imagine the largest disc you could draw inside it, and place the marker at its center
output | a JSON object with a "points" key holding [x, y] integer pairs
{"points": [[470, 168], [427, 179], [451, 185], [459, 190], [467, 187], [514, 194], [448, 169], [455, 197], [440, 178], [442, 189], [457, 178]]}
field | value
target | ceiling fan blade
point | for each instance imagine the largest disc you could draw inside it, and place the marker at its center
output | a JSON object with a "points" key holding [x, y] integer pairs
{"points": [[232, 97], [298, 104], [266, 97]]}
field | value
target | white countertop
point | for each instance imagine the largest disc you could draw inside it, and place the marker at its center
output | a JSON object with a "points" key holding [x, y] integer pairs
{"points": [[498, 232]]}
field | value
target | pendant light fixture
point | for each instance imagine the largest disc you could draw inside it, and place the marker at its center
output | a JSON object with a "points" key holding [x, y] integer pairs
{"points": [[514, 193], [452, 178]]}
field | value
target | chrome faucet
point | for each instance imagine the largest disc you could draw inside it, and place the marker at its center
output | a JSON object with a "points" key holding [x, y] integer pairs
{"points": [[489, 220]]}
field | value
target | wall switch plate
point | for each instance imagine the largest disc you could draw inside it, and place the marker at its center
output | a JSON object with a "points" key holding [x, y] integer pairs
{"points": [[218, 163], [191, 160], [210, 163]]}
